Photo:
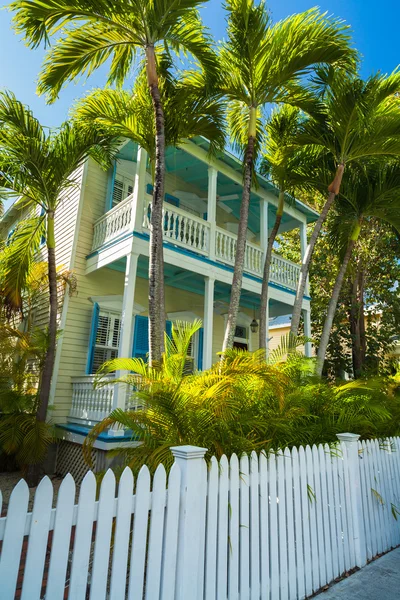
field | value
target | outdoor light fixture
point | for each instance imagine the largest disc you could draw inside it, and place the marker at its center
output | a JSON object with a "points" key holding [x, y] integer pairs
{"points": [[254, 323]]}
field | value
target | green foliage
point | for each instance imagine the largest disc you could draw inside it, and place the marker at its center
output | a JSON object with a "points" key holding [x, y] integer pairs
{"points": [[262, 62], [189, 110], [242, 403], [22, 351], [95, 32]]}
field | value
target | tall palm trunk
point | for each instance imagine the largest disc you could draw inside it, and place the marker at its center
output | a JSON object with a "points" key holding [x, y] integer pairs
{"points": [[267, 264], [333, 190], [156, 276], [32, 474], [323, 344], [242, 234], [45, 382], [354, 328]]}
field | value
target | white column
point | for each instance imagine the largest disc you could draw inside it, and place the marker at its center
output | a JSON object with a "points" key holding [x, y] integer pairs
{"points": [[307, 332], [139, 191], [192, 512], [208, 321], [352, 463], [303, 248], [212, 207], [263, 224], [121, 391]]}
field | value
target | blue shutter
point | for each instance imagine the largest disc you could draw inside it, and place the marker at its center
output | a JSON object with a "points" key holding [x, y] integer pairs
{"points": [[92, 340], [200, 349], [149, 189], [172, 200], [168, 328], [141, 338]]}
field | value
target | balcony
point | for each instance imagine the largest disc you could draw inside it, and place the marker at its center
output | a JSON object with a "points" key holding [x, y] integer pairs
{"points": [[193, 233]]}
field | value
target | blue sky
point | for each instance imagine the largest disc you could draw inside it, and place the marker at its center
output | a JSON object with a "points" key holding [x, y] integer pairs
{"points": [[375, 30]]}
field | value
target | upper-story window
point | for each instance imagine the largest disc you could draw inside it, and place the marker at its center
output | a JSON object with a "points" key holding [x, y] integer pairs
{"points": [[123, 187]]}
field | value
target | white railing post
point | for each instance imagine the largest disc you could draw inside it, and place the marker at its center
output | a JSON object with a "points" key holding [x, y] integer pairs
{"points": [[190, 460], [303, 248], [350, 440], [212, 208], [139, 191], [208, 322]]}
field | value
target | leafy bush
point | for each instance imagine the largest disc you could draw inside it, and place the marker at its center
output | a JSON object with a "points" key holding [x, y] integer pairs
{"points": [[242, 403]]}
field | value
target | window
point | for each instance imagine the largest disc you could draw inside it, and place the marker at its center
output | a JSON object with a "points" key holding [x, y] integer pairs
{"points": [[107, 339], [241, 332], [123, 187]]}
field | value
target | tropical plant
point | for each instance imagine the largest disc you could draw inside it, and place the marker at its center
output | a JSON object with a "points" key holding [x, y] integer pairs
{"points": [[263, 63], [22, 352], [358, 120], [95, 31], [38, 168], [370, 193], [242, 403]]}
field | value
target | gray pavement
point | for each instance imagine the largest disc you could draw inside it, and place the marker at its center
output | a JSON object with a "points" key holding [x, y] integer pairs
{"points": [[378, 580]]}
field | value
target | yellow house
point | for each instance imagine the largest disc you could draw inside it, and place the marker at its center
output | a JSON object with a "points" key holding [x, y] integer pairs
{"points": [[102, 233]]}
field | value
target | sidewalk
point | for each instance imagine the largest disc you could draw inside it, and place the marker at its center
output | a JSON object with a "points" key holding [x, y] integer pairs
{"points": [[379, 579]]}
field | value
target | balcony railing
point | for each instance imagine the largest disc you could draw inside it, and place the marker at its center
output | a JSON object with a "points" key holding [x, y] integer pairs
{"points": [[193, 233], [91, 405]]}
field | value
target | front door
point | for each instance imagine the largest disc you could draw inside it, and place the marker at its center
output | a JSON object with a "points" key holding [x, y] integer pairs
{"points": [[240, 345]]}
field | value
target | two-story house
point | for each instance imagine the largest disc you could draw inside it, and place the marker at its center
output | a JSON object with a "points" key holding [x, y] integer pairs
{"points": [[102, 232]]}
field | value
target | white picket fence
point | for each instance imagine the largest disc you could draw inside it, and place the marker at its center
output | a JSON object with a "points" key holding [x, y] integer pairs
{"points": [[272, 528]]}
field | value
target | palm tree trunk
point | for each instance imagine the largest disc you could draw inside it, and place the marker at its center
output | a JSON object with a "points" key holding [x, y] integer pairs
{"points": [[45, 382], [33, 471], [156, 276], [361, 317], [354, 329], [323, 343], [262, 342], [242, 235], [333, 190]]}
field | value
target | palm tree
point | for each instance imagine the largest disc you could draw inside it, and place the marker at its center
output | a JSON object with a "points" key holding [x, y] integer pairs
{"points": [[263, 63], [290, 168], [370, 194], [95, 31], [188, 110], [39, 167], [358, 120]]}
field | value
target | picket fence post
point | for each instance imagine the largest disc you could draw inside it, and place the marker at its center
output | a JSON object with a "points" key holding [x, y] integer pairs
{"points": [[353, 465], [193, 496]]}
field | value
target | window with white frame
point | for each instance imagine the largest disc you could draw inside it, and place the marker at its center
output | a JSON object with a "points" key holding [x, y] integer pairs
{"points": [[107, 338], [123, 187]]}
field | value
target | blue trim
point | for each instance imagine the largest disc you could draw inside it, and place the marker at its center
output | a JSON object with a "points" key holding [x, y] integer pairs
{"points": [[111, 182], [168, 328], [92, 340], [103, 437], [200, 349], [204, 259]]}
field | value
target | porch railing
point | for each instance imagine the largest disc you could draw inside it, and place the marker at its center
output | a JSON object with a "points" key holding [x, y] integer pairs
{"points": [[193, 233], [89, 404], [182, 228]]}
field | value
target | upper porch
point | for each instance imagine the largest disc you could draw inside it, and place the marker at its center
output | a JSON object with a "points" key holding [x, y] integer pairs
{"points": [[201, 213]]}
